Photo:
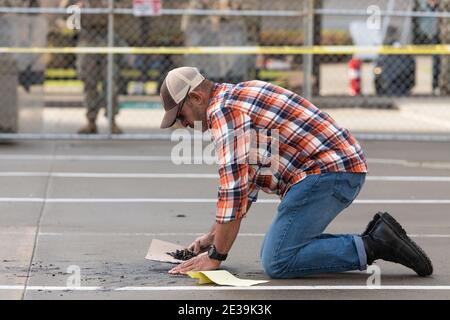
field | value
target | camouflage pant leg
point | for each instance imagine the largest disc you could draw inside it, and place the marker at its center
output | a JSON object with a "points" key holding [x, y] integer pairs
{"points": [[93, 71], [104, 85]]}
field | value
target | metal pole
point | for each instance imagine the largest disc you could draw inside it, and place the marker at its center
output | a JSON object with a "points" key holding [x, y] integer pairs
{"points": [[249, 13], [175, 12], [110, 66], [309, 42]]}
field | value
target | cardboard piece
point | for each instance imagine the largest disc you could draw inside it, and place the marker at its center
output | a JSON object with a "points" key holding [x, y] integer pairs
{"points": [[158, 251], [223, 278]]}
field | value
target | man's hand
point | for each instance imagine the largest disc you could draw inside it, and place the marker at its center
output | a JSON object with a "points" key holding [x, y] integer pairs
{"points": [[202, 244], [199, 263]]}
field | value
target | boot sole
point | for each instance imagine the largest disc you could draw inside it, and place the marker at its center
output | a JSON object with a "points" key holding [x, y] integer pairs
{"points": [[401, 233]]}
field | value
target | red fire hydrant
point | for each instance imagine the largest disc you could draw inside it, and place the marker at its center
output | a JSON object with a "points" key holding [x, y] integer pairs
{"points": [[354, 74]]}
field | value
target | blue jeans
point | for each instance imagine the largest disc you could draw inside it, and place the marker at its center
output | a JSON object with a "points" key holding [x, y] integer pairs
{"points": [[295, 244]]}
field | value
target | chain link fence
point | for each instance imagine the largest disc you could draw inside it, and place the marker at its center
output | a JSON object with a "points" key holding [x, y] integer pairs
{"points": [[93, 68]]}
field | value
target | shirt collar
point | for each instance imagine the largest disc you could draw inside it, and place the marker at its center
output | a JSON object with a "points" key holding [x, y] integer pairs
{"points": [[214, 97]]}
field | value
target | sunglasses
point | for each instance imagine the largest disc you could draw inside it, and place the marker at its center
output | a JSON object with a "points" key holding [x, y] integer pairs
{"points": [[179, 117]]}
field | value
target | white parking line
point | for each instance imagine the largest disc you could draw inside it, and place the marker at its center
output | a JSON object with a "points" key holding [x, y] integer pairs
{"points": [[61, 157], [200, 200], [411, 163], [408, 178], [51, 288], [46, 157], [272, 288], [223, 288], [113, 175], [401, 201], [175, 234], [105, 175]]}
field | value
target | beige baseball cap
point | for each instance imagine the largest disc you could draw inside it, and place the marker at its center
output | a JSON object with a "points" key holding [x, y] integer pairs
{"points": [[174, 90]]}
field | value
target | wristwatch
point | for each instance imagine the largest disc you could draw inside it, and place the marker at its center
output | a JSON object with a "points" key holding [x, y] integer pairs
{"points": [[213, 254]]}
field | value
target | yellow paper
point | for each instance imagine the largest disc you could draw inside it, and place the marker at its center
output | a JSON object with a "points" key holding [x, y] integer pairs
{"points": [[202, 279], [223, 278]]}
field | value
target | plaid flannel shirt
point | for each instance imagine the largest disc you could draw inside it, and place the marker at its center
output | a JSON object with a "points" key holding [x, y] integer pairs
{"points": [[308, 142]]}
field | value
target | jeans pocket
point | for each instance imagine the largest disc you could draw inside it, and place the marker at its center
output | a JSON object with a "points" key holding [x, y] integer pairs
{"points": [[347, 188], [299, 193]]}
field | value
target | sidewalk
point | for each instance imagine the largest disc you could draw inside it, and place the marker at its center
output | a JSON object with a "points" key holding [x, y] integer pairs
{"points": [[416, 115], [410, 115]]}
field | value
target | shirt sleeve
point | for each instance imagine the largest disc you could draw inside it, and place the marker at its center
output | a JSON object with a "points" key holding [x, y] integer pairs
{"points": [[253, 190], [230, 130]]}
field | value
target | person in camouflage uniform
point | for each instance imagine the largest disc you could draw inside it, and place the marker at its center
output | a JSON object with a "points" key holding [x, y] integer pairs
{"points": [[92, 68]]}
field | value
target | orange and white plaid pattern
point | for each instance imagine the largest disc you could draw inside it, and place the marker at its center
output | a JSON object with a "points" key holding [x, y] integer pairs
{"points": [[309, 141]]}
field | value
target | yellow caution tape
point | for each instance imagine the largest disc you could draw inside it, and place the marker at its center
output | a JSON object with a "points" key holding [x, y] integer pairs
{"points": [[244, 50]]}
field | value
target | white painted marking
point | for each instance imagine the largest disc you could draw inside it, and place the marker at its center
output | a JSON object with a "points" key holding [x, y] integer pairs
{"points": [[429, 235], [192, 176], [51, 288], [24, 174], [46, 157], [110, 200], [408, 178], [401, 201], [411, 164], [200, 200], [170, 234], [273, 288], [220, 288], [112, 175], [130, 234], [175, 234]]}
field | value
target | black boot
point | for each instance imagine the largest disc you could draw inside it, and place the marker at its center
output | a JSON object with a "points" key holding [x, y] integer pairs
{"points": [[385, 239]]}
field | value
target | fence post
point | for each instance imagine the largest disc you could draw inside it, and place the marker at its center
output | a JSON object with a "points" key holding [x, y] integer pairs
{"points": [[309, 42], [110, 67]]}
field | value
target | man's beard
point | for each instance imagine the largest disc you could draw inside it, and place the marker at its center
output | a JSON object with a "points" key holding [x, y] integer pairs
{"points": [[201, 117]]}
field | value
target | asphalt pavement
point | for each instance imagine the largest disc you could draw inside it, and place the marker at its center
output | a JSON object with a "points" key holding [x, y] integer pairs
{"points": [[92, 208]]}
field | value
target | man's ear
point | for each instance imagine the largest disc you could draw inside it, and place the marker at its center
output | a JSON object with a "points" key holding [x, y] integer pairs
{"points": [[196, 97]]}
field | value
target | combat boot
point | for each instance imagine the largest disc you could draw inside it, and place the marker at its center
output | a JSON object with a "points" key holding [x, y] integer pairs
{"points": [[385, 239]]}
